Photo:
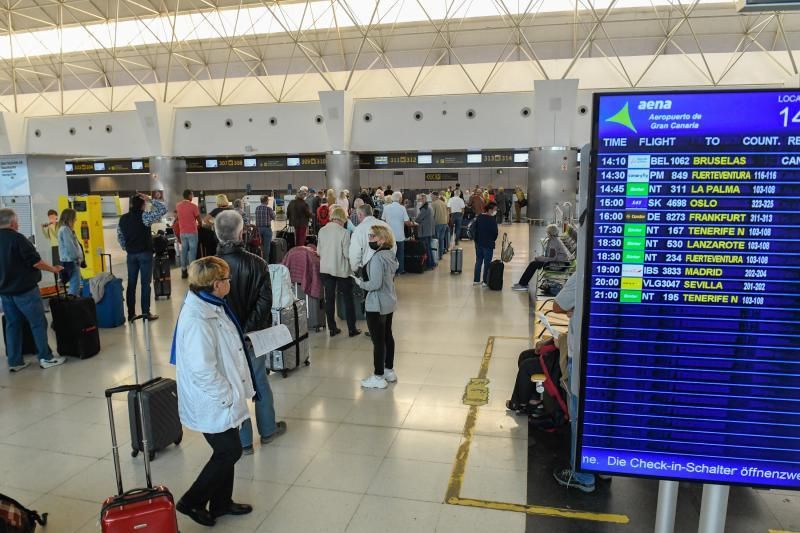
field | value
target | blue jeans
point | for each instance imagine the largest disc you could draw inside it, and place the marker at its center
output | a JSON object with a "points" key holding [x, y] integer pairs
{"points": [[266, 238], [19, 308], [428, 250], [401, 256], [139, 264], [188, 249], [457, 219], [483, 257], [72, 275], [441, 235], [265, 407]]}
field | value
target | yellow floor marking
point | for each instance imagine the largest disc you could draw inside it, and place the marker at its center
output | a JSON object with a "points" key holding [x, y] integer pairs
{"points": [[780, 531], [453, 495]]}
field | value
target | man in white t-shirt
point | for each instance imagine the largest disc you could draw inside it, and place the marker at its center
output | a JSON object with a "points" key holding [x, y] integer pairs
{"points": [[456, 206], [396, 215]]}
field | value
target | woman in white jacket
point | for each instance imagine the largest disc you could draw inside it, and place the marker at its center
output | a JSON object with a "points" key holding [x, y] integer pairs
{"points": [[214, 384]]}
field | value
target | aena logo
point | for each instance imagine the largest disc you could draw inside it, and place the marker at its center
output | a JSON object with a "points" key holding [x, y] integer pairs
{"points": [[648, 105], [623, 117]]}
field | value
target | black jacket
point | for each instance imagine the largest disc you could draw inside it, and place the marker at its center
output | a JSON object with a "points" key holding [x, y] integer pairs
{"points": [[251, 291], [298, 213]]}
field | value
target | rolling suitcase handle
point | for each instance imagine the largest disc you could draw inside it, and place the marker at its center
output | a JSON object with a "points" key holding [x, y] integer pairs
{"points": [[115, 446], [147, 344], [103, 263]]}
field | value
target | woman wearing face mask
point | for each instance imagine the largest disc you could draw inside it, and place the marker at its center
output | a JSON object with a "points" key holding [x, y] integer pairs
{"points": [[70, 251], [380, 305], [555, 252]]}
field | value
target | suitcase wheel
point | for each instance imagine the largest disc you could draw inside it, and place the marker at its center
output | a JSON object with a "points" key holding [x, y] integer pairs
{"points": [[178, 442], [285, 373], [307, 362], [134, 453], [152, 455]]}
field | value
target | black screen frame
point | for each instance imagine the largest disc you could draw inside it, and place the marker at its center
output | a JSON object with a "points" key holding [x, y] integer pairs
{"points": [[588, 227]]}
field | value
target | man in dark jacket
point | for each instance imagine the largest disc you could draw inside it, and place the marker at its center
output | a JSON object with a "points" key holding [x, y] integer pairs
{"points": [[136, 238], [424, 220], [484, 231], [299, 214], [250, 299], [20, 273]]}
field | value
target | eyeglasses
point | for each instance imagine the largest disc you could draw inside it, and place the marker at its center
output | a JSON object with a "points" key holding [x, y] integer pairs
{"points": [[371, 235]]}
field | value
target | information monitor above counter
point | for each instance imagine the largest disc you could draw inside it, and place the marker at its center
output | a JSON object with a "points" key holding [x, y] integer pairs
{"points": [[690, 362]]}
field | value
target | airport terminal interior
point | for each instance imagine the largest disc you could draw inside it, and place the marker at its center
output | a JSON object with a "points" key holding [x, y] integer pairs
{"points": [[601, 337]]}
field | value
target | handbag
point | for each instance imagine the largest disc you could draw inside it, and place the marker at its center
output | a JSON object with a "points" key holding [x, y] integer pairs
{"points": [[506, 250]]}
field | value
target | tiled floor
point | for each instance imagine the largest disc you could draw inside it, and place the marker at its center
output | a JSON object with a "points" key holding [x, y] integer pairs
{"points": [[352, 460]]}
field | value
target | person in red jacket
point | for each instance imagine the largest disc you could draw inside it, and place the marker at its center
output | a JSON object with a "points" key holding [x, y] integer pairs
{"points": [[323, 213]]}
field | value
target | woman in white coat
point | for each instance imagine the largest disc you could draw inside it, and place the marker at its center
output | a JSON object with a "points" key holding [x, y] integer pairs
{"points": [[214, 385]]}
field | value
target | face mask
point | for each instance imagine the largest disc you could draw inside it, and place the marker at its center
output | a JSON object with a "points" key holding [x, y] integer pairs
{"points": [[374, 245]]}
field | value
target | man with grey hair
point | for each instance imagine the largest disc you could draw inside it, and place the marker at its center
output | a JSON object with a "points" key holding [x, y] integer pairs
{"points": [[360, 252], [396, 216], [250, 299], [555, 252], [20, 273]]}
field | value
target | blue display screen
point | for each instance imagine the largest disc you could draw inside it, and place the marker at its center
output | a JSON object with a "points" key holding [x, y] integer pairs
{"points": [[690, 364]]}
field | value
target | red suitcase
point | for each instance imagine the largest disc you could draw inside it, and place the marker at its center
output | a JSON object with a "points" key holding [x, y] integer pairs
{"points": [[150, 509]]}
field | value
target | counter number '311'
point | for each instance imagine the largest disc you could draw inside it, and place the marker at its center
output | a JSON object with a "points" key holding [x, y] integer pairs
{"points": [[786, 114]]}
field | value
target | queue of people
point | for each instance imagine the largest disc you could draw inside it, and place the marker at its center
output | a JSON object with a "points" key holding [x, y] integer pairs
{"points": [[360, 244]]}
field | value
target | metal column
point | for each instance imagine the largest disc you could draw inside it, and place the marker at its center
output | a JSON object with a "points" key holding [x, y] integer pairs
{"points": [[168, 174], [552, 180], [667, 506], [714, 508], [343, 172]]}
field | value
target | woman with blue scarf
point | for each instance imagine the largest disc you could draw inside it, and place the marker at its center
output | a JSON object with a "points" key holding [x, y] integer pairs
{"points": [[214, 384]]}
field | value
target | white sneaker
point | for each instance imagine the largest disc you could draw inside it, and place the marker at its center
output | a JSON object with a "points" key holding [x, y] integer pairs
{"points": [[519, 288], [50, 363], [17, 368], [484, 285], [476, 283], [374, 382], [389, 375]]}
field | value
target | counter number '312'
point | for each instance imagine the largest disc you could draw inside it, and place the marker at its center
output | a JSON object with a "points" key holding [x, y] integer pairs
{"points": [[785, 113]]}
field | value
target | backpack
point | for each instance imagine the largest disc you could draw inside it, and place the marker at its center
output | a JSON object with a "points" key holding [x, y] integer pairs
{"points": [[556, 413], [16, 518]]}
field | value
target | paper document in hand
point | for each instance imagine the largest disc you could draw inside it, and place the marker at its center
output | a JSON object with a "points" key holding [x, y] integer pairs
{"points": [[546, 323], [266, 340]]}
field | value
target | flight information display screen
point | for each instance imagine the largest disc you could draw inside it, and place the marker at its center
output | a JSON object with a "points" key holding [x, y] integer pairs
{"points": [[691, 328]]}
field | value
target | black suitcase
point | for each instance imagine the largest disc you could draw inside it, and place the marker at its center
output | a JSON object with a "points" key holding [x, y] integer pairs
{"points": [[287, 234], [162, 277], [456, 260], [359, 302], [277, 250], [75, 324], [495, 276], [159, 419], [28, 343], [416, 257]]}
